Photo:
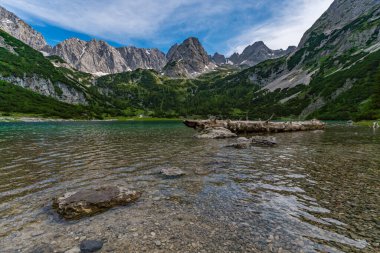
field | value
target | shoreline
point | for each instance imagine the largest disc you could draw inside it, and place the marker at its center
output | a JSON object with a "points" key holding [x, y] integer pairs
{"points": [[31, 119], [36, 119]]}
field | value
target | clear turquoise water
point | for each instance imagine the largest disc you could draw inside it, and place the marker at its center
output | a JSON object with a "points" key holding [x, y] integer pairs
{"points": [[315, 191]]}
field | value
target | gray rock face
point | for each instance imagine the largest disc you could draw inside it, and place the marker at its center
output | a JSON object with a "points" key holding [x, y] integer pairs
{"points": [[59, 91], [143, 58], [341, 28], [234, 58], [11, 24], [340, 13], [219, 59], [100, 58], [258, 52], [95, 56], [346, 25], [188, 59]]}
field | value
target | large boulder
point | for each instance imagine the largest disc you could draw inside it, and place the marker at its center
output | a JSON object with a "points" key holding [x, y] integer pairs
{"points": [[75, 205], [215, 133]]}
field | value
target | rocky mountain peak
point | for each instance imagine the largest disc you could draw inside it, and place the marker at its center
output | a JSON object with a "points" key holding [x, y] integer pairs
{"points": [[219, 59], [13, 25], [258, 44], [143, 58], [258, 52], [187, 59]]}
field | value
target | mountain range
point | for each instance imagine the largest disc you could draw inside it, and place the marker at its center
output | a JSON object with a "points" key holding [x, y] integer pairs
{"points": [[99, 58], [334, 73]]}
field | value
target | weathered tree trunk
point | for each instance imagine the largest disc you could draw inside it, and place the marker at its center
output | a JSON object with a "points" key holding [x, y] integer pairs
{"points": [[257, 126]]}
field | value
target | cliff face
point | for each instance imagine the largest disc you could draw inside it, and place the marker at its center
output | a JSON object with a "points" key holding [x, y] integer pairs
{"points": [[11, 24], [143, 58], [339, 14], [58, 90], [95, 56], [99, 58]]}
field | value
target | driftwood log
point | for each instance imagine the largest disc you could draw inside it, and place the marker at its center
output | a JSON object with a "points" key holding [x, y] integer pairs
{"points": [[257, 126]]}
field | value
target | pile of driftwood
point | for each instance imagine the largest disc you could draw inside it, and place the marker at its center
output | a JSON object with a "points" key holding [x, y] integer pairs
{"points": [[256, 126]]}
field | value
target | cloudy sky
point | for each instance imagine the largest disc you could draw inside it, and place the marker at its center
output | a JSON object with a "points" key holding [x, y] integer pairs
{"points": [[224, 26]]}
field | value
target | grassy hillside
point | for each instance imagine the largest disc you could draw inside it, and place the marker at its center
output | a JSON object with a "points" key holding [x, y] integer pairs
{"points": [[24, 60], [14, 99], [19, 60], [146, 92], [360, 102], [352, 93]]}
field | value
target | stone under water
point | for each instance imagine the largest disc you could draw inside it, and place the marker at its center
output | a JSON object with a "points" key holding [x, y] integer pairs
{"points": [[75, 205], [215, 133], [88, 246], [172, 172]]}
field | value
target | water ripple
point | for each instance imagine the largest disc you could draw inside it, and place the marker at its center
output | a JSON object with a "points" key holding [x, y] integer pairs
{"points": [[310, 193]]}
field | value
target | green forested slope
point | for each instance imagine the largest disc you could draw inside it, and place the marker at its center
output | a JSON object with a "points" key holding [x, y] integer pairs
{"points": [[14, 99], [345, 83]]}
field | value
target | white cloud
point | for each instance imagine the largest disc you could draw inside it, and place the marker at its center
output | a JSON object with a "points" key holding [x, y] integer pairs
{"points": [[100, 18], [164, 22], [120, 20], [290, 23]]}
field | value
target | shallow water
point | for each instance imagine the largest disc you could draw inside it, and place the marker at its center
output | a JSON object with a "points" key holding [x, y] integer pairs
{"points": [[314, 192]]}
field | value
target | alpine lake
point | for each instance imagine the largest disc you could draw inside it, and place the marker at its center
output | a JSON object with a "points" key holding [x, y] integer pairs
{"points": [[316, 191]]}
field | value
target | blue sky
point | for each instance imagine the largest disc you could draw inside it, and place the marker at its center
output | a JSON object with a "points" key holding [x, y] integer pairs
{"points": [[223, 26]]}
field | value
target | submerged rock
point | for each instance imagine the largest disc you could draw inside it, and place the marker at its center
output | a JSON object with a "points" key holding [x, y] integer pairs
{"points": [[172, 172], [243, 139], [44, 248], [215, 133], [263, 140], [74, 205], [244, 143], [240, 145], [88, 246]]}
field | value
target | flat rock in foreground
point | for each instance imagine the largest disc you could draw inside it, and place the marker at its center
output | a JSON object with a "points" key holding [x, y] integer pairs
{"points": [[75, 205], [215, 133]]}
